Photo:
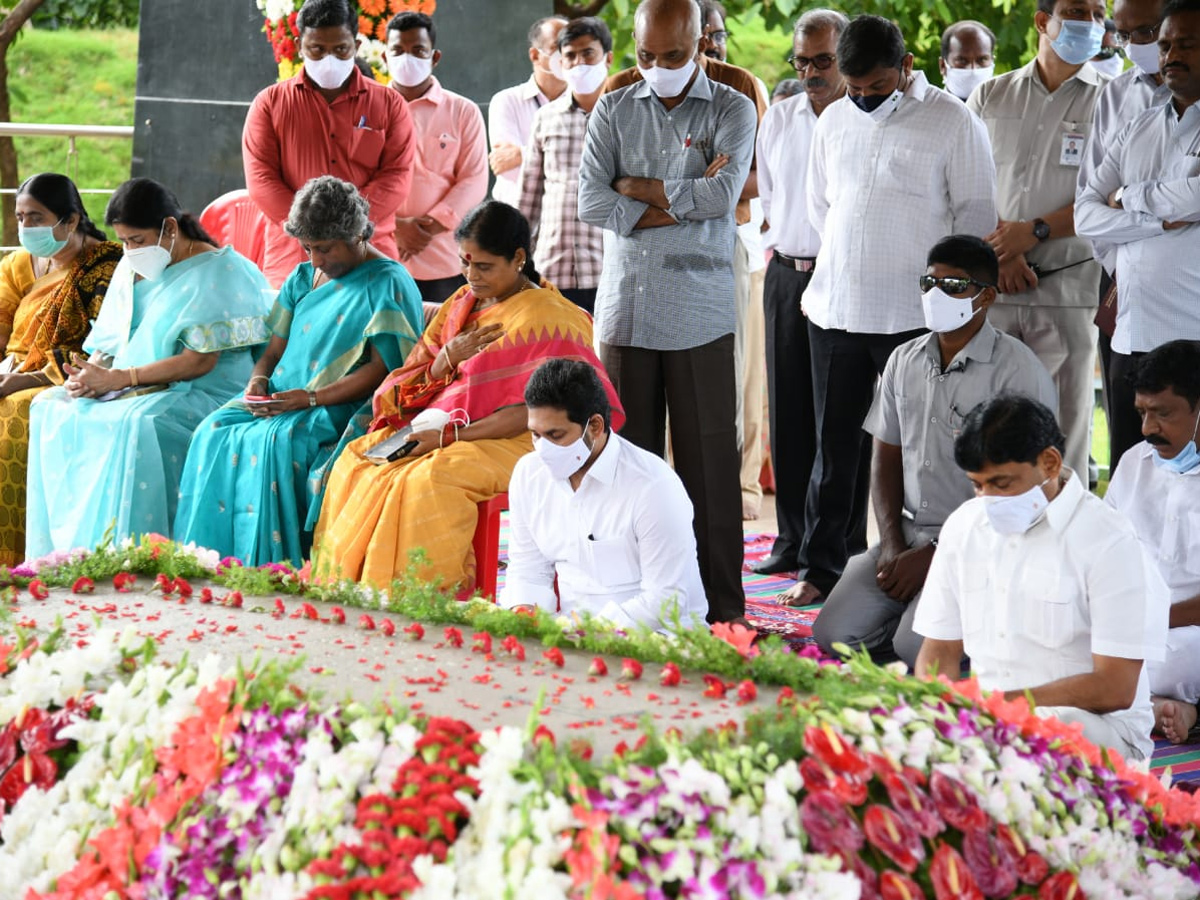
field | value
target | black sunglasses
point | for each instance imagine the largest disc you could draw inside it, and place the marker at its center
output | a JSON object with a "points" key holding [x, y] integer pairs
{"points": [[820, 63], [951, 284]]}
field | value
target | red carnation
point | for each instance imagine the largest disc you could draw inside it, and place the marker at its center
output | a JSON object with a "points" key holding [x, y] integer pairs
{"points": [[669, 676], [83, 585]]}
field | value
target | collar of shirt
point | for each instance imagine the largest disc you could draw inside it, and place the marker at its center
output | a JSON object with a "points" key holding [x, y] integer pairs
{"points": [[1146, 450], [1176, 121], [565, 102], [918, 86], [979, 348], [435, 94], [603, 470], [1063, 506], [701, 88], [531, 91]]}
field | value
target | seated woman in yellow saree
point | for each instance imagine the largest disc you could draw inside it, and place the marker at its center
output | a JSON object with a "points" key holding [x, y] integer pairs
{"points": [[465, 380], [50, 292]]}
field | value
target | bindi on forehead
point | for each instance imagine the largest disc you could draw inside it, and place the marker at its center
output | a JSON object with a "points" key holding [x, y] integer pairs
{"points": [[467, 257]]}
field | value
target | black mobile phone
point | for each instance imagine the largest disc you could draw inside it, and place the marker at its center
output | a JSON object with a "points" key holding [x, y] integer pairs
{"points": [[402, 452]]}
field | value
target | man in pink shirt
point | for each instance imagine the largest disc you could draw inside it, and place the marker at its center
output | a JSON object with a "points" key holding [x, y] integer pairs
{"points": [[327, 120], [450, 166]]}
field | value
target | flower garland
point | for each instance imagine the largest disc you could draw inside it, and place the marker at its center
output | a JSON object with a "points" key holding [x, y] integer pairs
{"points": [[373, 15]]}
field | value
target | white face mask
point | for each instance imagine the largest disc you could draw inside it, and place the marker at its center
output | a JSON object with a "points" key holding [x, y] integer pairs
{"points": [[150, 262], [944, 313], [960, 82], [585, 79], [555, 65], [408, 70], [1111, 67], [668, 83], [329, 71], [562, 462], [1016, 515], [1144, 56]]}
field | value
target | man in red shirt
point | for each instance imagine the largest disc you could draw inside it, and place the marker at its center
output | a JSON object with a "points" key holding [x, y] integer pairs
{"points": [[329, 119]]}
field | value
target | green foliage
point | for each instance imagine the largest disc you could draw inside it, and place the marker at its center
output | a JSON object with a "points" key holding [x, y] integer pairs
{"points": [[87, 14], [78, 78], [761, 30]]}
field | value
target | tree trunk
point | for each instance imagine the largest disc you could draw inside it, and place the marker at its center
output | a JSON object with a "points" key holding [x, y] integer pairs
{"points": [[10, 27], [575, 10]]}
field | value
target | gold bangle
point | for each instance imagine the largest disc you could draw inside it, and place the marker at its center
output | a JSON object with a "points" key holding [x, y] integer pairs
{"points": [[133, 379]]}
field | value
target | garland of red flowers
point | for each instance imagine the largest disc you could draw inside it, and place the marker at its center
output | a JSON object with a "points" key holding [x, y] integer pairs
{"points": [[422, 816]]}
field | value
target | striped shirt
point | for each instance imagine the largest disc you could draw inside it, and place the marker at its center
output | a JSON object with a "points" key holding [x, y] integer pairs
{"points": [[667, 288], [570, 253]]}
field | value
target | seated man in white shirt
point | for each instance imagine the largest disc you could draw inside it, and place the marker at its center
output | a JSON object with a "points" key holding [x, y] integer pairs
{"points": [[1157, 487], [611, 520], [1043, 586]]}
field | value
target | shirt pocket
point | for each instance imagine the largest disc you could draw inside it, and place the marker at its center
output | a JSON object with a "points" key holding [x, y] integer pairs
{"points": [[911, 170], [613, 562], [366, 147], [1050, 614]]}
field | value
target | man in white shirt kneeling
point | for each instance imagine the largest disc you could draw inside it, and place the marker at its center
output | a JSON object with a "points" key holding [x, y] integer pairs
{"points": [[609, 519], [1043, 586]]}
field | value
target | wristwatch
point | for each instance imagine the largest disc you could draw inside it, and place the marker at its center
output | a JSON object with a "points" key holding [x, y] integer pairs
{"points": [[1041, 230]]}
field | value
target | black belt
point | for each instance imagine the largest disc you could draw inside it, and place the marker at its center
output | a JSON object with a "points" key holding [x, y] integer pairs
{"points": [[799, 263]]}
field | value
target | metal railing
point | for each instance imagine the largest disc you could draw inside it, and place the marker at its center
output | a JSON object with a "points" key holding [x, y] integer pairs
{"points": [[70, 132]]}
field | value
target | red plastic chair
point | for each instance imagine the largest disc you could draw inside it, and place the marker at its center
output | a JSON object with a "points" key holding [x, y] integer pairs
{"points": [[487, 545], [234, 219]]}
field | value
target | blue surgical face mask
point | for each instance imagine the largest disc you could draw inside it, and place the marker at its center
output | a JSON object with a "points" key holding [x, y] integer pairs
{"points": [[1186, 459], [39, 240], [1077, 41]]}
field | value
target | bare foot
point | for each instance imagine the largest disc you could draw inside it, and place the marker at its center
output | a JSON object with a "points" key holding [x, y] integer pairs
{"points": [[751, 508], [800, 594], [1174, 718]]}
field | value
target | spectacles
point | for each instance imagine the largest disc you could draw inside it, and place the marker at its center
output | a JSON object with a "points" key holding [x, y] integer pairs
{"points": [[951, 284], [1144, 35], [820, 63], [717, 37]]}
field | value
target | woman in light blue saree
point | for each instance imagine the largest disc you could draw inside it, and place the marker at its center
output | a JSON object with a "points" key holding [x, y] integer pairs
{"points": [[256, 469], [171, 344]]}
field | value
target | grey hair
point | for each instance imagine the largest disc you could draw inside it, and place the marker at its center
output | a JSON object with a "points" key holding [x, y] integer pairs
{"points": [[817, 20], [329, 209]]}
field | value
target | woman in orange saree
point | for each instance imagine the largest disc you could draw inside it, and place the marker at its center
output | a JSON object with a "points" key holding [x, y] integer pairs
{"points": [[464, 385]]}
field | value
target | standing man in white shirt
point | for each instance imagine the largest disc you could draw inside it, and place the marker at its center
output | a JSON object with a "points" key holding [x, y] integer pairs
{"points": [[1157, 488], [1132, 92], [1044, 587], [1038, 117], [895, 165], [511, 111], [1142, 200], [611, 521], [968, 57], [784, 142]]}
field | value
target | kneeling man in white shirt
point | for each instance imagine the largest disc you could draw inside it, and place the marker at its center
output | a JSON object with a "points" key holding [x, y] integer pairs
{"points": [[612, 521], [1157, 487], [1043, 585]]}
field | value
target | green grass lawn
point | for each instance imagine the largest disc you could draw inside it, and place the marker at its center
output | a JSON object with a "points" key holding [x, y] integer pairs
{"points": [[77, 78]]}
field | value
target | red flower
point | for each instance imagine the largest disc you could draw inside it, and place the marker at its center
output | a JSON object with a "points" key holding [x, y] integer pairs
{"points": [[598, 666], [955, 803], [818, 776], [738, 636], [582, 748], [183, 587], [481, 642], [669, 676], [786, 695], [746, 691], [991, 861], [893, 837], [233, 598], [1031, 868], [913, 803], [714, 687], [37, 590], [894, 886], [387, 628], [829, 825], [453, 636], [165, 584], [631, 669], [206, 595], [554, 656], [366, 623], [833, 750], [280, 608], [83, 585], [950, 876], [542, 733], [513, 647], [123, 581], [414, 631], [1060, 886], [310, 611], [337, 616]]}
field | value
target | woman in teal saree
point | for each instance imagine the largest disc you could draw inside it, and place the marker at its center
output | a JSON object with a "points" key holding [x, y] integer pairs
{"points": [[171, 344], [255, 472]]}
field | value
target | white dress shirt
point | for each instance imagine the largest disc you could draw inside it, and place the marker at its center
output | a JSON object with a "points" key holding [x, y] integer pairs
{"points": [[1164, 508], [784, 141], [1032, 608], [881, 194], [1130, 93], [510, 117], [622, 545], [1156, 159]]}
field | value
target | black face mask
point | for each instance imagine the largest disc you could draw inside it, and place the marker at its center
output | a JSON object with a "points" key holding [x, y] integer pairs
{"points": [[869, 102]]}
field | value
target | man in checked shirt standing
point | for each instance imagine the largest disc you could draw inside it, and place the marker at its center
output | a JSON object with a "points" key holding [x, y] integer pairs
{"points": [[664, 162]]}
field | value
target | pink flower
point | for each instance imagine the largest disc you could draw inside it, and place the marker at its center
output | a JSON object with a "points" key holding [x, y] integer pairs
{"points": [[829, 825], [893, 837], [991, 861]]}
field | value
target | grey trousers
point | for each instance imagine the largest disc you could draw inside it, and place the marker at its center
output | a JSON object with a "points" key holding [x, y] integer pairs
{"points": [[860, 614]]}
